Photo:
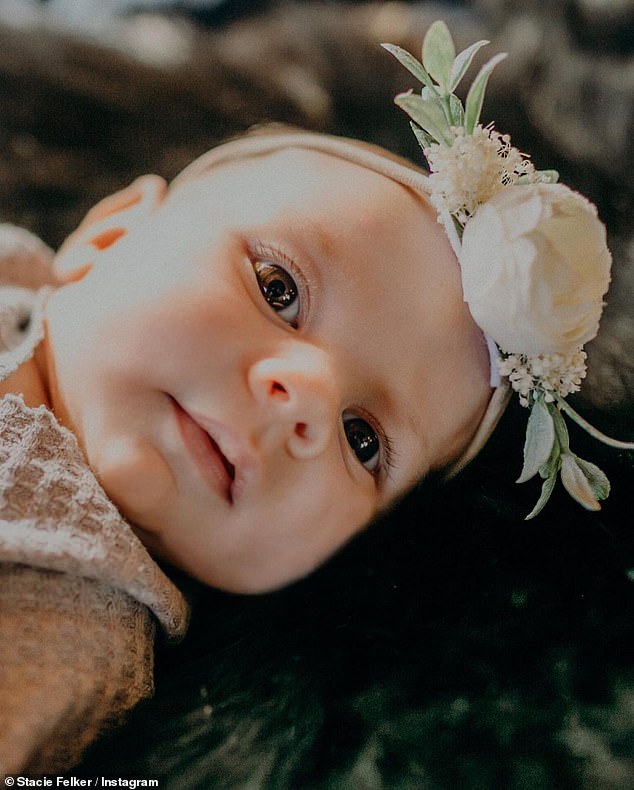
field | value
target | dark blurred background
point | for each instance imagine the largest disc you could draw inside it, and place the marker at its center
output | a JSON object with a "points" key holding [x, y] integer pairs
{"points": [[452, 645]]}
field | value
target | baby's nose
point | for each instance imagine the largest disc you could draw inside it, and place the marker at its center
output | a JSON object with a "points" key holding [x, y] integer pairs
{"points": [[297, 390]]}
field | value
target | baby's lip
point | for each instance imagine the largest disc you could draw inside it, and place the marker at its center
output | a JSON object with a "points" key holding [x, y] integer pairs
{"points": [[220, 455]]}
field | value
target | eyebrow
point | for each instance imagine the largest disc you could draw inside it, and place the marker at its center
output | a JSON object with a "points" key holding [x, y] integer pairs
{"points": [[321, 245]]}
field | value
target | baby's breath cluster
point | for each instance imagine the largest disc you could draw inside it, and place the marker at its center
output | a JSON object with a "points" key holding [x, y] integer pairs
{"points": [[474, 168], [550, 374]]}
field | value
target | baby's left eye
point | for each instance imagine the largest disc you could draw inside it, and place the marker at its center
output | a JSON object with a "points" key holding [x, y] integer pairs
{"points": [[279, 290], [364, 441]]}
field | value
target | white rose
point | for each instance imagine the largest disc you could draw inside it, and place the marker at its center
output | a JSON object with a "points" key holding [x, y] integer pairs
{"points": [[535, 267]]}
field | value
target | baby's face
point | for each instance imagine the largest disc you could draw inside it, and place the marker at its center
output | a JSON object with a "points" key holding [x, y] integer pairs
{"points": [[271, 358]]}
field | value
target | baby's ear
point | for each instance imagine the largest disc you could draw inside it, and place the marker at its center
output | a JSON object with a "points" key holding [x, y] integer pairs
{"points": [[105, 224]]}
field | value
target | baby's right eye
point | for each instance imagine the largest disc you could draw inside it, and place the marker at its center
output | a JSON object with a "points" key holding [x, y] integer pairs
{"points": [[279, 290]]}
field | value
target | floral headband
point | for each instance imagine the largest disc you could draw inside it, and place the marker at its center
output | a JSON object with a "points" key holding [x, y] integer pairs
{"points": [[533, 256], [535, 264]]}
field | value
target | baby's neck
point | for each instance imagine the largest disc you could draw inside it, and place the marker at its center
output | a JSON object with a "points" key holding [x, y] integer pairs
{"points": [[29, 381]]}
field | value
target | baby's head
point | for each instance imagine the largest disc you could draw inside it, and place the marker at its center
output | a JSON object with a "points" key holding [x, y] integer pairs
{"points": [[262, 357]]}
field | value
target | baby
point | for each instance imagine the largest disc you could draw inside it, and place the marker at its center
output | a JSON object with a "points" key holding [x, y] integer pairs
{"points": [[259, 359], [253, 362]]}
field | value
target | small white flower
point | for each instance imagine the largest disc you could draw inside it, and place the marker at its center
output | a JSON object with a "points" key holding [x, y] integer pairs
{"points": [[546, 373], [507, 364], [468, 173]]}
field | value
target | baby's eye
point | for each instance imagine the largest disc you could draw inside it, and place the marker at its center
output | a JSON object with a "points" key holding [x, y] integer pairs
{"points": [[364, 441], [279, 290]]}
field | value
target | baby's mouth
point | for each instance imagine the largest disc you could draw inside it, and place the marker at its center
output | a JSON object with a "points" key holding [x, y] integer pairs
{"points": [[229, 467], [213, 465]]}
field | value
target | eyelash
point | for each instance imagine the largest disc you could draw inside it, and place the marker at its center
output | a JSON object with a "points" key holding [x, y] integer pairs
{"points": [[387, 455], [261, 252], [386, 444]]}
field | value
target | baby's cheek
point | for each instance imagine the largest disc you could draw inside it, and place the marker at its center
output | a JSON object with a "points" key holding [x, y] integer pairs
{"points": [[137, 479]]}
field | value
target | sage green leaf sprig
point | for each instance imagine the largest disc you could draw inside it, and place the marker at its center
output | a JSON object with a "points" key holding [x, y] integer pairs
{"points": [[547, 453], [468, 163], [437, 109]]}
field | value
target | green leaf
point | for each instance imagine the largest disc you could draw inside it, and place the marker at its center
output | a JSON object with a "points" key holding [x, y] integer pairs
{"points": [[540, 436], [451, 106], [475, 97], [462, 62], [548, 176], [551, 467], [588, 428], [457, 111], [424, 140], [411, 64], [438, 54], [430, 94], [560, 429], [576, 483], [547, 488], [428, 114], [596, 477]]}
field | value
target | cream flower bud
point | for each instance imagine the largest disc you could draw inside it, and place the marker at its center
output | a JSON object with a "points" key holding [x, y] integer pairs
{"points": [[535, 268]]}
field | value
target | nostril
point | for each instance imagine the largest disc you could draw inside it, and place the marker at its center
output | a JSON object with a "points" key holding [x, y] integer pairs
{"points": [[107, 238], [301, 429], [277, 390]]}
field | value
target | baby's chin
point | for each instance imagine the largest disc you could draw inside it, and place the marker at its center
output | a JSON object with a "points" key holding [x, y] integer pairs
{"points": [[136, 478]]}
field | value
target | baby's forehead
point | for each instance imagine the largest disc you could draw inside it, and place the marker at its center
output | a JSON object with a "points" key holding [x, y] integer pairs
{"points": [[313, 195], [285, 149], [310, 181], [283, 162]]}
